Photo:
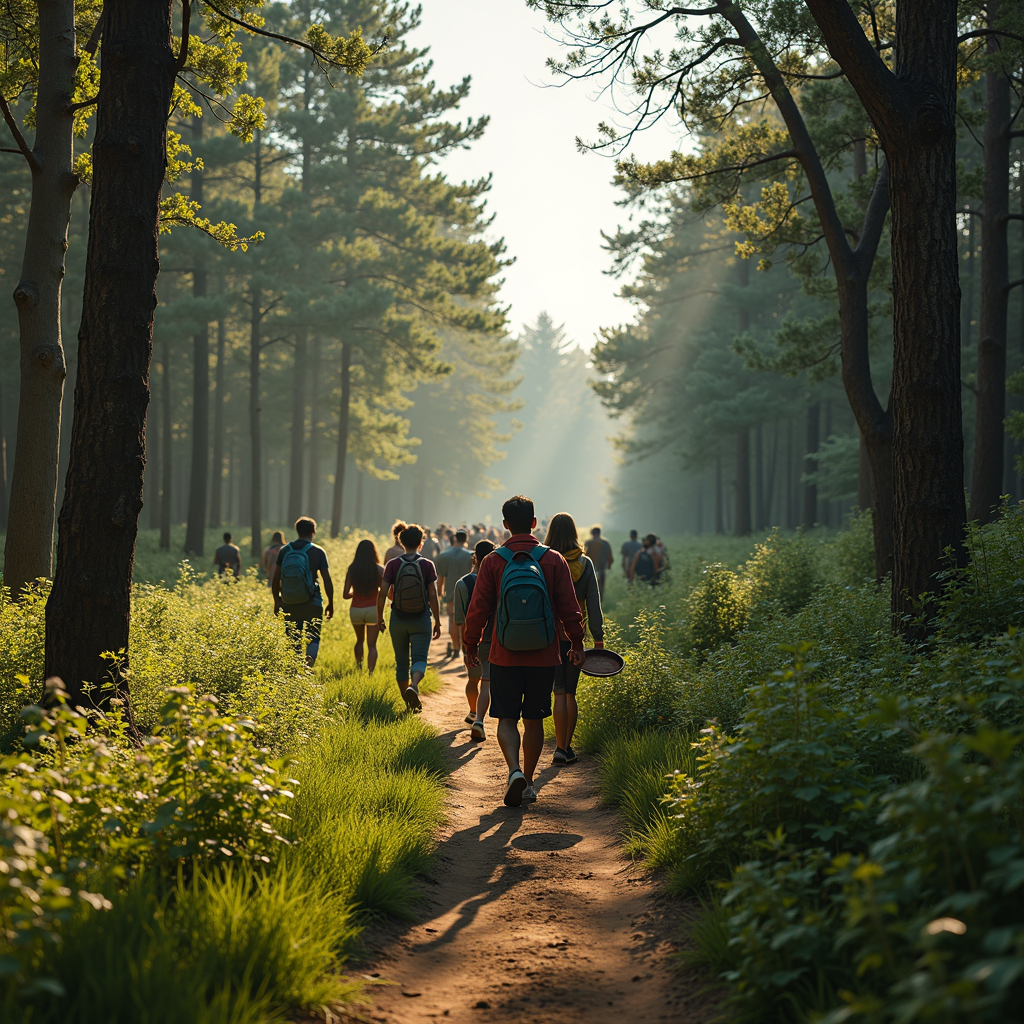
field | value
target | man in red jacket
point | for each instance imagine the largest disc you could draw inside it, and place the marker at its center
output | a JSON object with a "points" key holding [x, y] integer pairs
{"points": [[521, 681]]}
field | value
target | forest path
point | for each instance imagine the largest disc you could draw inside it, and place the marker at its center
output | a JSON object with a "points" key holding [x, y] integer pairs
{"points": [[534, 915]]}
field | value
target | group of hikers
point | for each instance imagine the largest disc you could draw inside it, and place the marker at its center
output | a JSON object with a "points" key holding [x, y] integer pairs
{"points": [[517, 614]]}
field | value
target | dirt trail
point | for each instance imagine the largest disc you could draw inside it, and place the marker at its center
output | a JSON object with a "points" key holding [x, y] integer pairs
{"points": [[534, 915]]}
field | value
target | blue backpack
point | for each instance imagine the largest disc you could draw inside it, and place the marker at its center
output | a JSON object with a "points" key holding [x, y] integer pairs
{"points": [[525, 621], [297, 586]]}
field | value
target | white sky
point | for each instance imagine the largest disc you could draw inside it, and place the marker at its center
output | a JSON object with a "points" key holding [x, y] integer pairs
{"points": [[551, 201]]}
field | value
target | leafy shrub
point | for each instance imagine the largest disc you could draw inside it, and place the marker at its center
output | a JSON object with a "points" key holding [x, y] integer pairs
{"points": [[853, 550], [717, 609], [21, 655], [781, 577], [644, 696]]}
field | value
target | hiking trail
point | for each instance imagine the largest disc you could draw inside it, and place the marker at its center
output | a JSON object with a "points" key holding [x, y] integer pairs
{"points": [[533, 914]]}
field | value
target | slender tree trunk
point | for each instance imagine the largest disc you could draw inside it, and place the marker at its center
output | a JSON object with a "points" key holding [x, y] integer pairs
{"points": [[811, 442], [199, 473], [3, 460], [255, 345], [154, 450], [863, 474], [987, 474], [217, 469], [967, 312], [759, 478], [313, 499], [28, 550], [167, 452], [298, 428], [88, 610], [360, 477], [743, 483], [339, 474], [719, 504], [700, 512], [770, 477]]}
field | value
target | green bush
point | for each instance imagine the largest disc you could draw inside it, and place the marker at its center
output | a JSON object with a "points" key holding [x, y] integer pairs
{"points": [[781, 577], [853, 550], [717, 609]]}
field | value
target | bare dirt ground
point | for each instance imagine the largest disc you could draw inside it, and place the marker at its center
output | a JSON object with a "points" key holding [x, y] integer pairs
{"points": [[533, 914]]}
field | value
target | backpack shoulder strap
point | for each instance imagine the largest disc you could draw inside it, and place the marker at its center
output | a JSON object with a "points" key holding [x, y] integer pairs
{"points": [[538, 552], [507, 553]]}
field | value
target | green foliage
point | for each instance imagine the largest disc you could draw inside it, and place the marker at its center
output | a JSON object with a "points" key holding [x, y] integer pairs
{"points": [[717, 609], [853, 552]]}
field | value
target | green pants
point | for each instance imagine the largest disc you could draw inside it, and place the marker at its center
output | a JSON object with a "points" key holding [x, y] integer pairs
{"points": [[410, 633]]}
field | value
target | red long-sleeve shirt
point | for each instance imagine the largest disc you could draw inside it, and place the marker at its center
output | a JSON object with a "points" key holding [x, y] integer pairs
{"points": [[485, 603]]}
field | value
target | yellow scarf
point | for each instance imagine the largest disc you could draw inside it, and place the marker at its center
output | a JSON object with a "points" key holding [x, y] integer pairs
{"points": [[575, 560]]}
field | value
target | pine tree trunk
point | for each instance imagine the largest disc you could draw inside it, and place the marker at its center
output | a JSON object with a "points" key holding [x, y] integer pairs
{"points": [[195, 529], [987, 474], [154, 450], [810, 490], [360, 477], [759, 478], [217, 459], [167, 448], [3, 460], [770, 477], [298, 428], [313, 499], [743, 483], [343, 410], [255, 440], [719, 503], [28, 551], [88, 610]]}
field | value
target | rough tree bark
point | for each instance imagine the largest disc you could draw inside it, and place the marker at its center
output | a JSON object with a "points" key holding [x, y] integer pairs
{"points": [[343, 410], [987, 471], [195, 528], [298, 427], [852, 266], [913, 110], [88, 610], [28, 550], [217, 455]]}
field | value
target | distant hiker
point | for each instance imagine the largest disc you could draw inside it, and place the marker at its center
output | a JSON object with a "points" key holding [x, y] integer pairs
{"points": [[662, 553], [297, 591], [431, 549], [527, 588], [479, 674], [228, 556], [270, 556], [646, 562], [628, 550], [476, 535], [396, 549], [412, 581], [599, 551], [562, 537], [362, 585], [452, 565]]}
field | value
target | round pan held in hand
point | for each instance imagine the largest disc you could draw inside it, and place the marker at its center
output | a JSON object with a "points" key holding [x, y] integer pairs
{"points": [[602, 663]]}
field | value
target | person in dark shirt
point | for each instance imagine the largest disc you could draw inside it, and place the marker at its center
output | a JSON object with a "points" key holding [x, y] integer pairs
{"points": [[228, 556], [306, 617]]}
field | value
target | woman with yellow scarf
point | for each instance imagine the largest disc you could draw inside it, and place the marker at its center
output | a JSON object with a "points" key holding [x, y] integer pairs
{"points": [[563, 538]]}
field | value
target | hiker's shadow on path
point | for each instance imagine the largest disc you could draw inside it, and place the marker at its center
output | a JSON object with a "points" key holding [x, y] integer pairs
{"points": [[462, 751], [479, 846]]}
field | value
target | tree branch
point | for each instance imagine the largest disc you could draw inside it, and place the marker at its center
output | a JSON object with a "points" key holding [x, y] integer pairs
{"points": [[12, 124], [1015, 284], [879, 89], [988, 32], [72, 107], [94, 37], [874, 219], [186, 24]]}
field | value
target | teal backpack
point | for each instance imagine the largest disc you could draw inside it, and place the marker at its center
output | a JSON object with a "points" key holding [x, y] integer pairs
{"points": [[525, 621], [297, 586]]}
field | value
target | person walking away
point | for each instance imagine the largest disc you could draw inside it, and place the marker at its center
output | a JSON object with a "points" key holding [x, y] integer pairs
{"points": [[297, 591], [663, 563], [412, 581], [431, 549], [526, 587], [479, 675], [362, 585], [599, 551], [476, 536], [628, 550], [646, 563], [452, 565], [270, 556], [228, 557], [563, 538], [396, 549]]}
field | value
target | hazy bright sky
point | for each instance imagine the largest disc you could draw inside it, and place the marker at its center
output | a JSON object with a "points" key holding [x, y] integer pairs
{"points": [[551, 201]]}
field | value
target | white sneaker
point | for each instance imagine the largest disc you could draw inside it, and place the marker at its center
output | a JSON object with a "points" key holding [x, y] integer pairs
{"points": [[514, 789], [529, 795], [477, 732]]}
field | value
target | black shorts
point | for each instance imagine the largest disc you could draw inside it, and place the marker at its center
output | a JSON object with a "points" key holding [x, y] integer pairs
{"points": [[305, 617], [521, 691], [567, 675]]}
